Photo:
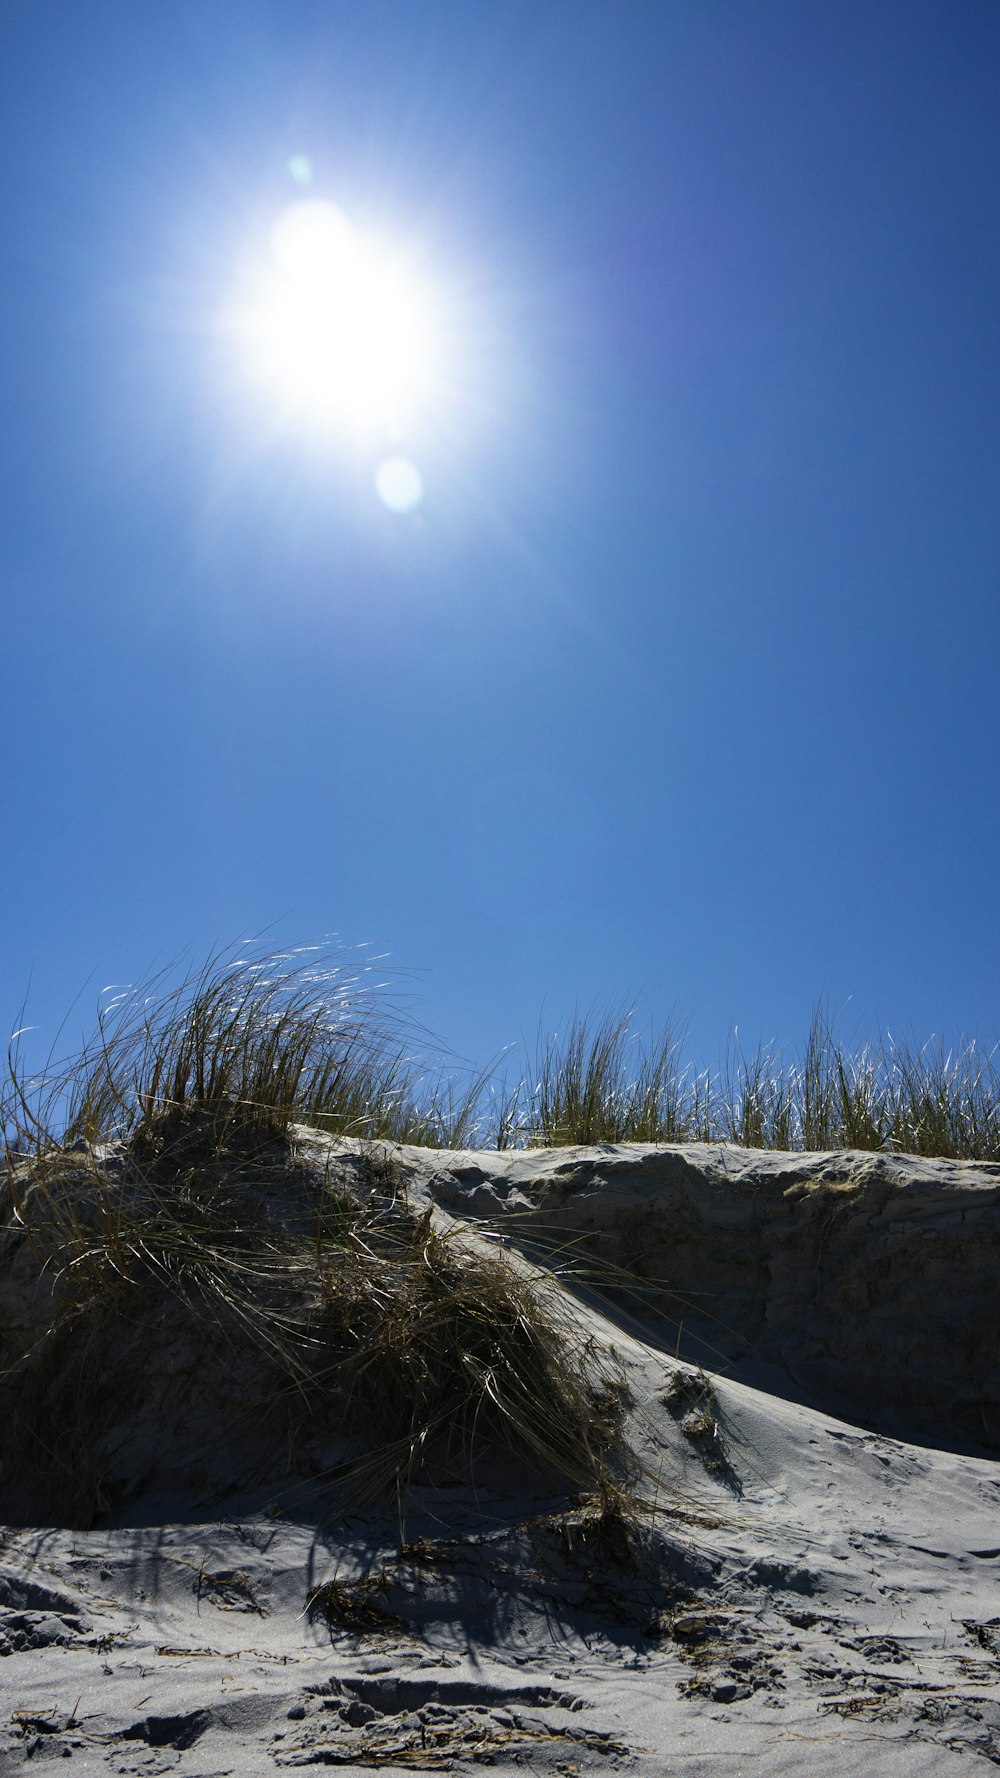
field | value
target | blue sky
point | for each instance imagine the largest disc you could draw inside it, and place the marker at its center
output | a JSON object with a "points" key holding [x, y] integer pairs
{"points": [[680, 683]]}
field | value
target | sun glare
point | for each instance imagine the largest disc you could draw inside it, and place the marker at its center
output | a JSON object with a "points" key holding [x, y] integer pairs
{"points": [[343, 330]]}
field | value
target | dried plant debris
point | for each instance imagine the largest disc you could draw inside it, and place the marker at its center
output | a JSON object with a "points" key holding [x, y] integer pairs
{"points": [[593, 1563], [692, 1400], [598, 1535], [355, 1606], [434, 1726], [230, 1589], [731, 1655], [394, 1722]]}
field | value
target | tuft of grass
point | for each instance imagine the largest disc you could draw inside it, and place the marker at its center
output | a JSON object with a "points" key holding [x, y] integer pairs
{"points": [[600, 1533], [252, 1042], [178, 1292], [755, 1103], [600, 1083], [446, 1346], [891, 1097]]}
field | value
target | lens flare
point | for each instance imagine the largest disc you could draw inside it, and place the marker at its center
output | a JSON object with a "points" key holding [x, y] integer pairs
{"points": [[399, 484]]}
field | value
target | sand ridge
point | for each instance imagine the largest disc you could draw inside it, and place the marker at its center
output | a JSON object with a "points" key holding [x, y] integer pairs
{"points": [[798, 1590]]}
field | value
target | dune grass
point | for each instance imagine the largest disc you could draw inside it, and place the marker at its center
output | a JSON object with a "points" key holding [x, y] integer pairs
{"points": [[601, 1079], [893, 1097], [597, 1083], [269, 1038], [273, 1039]]}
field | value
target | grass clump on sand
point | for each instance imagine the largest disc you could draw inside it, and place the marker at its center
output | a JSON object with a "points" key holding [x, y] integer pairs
{"points": [[600, 1081], [259, 1039], [691, 1398], [354, 1606], [243, 1322], [892, 1097], [597, 1083], [191, 1301]]}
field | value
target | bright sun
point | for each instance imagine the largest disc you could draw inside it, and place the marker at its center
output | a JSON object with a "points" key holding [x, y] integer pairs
{"points": [[343, 330]]}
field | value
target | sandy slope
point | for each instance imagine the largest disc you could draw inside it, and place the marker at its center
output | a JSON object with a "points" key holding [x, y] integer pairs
{"points": [[808, 1594]]}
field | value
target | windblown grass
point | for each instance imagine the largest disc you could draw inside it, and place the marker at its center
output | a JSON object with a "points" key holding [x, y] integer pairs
{"points": [[893, 1096], [264, 1038], [268, 1040]]}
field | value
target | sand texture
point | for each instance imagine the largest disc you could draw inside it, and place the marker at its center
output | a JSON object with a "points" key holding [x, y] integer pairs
{"points": [[800, 1573]]}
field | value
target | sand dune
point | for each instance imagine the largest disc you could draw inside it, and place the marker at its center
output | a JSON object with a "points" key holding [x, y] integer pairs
{"points": [[777, 1590]]}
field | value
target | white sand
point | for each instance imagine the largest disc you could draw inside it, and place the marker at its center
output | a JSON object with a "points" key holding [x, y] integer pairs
{"points": [[825, 1599]]}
